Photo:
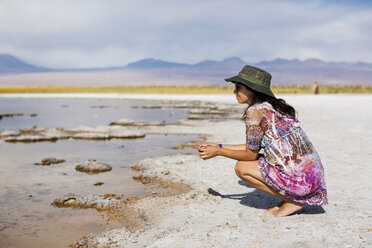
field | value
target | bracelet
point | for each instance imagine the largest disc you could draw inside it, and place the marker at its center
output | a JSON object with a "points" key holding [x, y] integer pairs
{"points": [[220, 145]]}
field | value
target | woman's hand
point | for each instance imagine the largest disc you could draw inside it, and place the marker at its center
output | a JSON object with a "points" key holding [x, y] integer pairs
{"points": [[207, 151], [208, 144]]}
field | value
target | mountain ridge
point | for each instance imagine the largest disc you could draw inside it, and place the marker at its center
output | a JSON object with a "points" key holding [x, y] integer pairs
{"points": [[284, 71], [11, 64]]}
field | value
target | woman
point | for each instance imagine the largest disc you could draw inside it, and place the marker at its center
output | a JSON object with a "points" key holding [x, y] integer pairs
{"points": [[290, 167]]}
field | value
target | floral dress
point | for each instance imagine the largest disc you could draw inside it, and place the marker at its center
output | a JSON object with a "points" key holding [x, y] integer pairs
{"points": [[289, 164]]}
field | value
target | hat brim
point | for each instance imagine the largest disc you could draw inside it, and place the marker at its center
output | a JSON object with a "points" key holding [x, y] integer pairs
{"points": [[251, 85]]}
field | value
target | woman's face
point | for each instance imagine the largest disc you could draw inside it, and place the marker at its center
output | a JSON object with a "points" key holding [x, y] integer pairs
{"points": [[242, 93]]}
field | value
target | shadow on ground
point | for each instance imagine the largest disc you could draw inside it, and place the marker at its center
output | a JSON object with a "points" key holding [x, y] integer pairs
{"points": [[262, 200]]}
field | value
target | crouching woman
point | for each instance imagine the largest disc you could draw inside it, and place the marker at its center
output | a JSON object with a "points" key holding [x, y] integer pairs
{"points": [[290, 167]]}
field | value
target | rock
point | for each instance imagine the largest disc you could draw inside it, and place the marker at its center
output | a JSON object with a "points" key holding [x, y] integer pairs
{"points": [[92, 135], [124, 132], [92, 166], [30, 138], [156, 123], [217, 112], [128, 135], [5, 134], [196, 117], [206, 112], [10, 115], [126, 122], [49, 161], [34, 134], [60, 133], [85, 201], [106, 132]]}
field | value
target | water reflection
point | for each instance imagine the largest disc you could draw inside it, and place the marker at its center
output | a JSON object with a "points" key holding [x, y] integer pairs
{"points": [[27, 218]]}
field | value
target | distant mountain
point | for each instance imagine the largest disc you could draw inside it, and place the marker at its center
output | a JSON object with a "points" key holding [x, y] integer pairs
{"points": [[302, 72], [10, 64], [205, 63], [284, 71], [153, 63], [229, 64], [208, 72]]}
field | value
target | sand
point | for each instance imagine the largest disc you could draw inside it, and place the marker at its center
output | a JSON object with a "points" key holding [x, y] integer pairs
{"points": [[222, 211]]}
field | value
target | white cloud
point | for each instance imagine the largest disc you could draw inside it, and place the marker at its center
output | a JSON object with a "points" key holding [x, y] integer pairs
{"points": [[95, 33]]}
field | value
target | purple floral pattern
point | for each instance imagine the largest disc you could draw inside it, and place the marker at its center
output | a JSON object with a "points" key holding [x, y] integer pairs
{"points": [[289, 163]]}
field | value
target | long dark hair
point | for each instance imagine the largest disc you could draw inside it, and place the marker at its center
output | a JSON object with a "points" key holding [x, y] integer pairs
{"points": [[278, 104]]}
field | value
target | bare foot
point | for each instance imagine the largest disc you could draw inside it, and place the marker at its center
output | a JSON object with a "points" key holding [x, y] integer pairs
{"points": [[286, 209], [270, 210]]}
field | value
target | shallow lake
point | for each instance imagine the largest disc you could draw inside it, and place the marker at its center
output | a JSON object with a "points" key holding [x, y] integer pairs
{"points": [[27, 218]]}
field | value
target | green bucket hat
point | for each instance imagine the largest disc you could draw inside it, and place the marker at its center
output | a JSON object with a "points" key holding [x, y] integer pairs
{"points": [[255, 78]]}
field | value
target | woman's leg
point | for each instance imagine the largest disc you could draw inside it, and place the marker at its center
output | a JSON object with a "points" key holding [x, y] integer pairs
{"points": [[249, 172]]}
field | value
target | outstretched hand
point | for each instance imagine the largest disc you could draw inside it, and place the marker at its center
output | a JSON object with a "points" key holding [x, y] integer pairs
{"points": [[207, 151]]}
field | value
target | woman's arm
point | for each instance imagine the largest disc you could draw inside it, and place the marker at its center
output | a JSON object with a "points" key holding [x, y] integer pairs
{"points": [[229, 147], [234, 147], [241, 155], [254, 133], [210, 151]]}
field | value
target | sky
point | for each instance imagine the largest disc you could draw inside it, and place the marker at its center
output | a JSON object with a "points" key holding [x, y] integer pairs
{"points": [[103, 33]]}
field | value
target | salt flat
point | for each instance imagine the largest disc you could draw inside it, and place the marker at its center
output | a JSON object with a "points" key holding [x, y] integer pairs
{"points": [[340, 128]]}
